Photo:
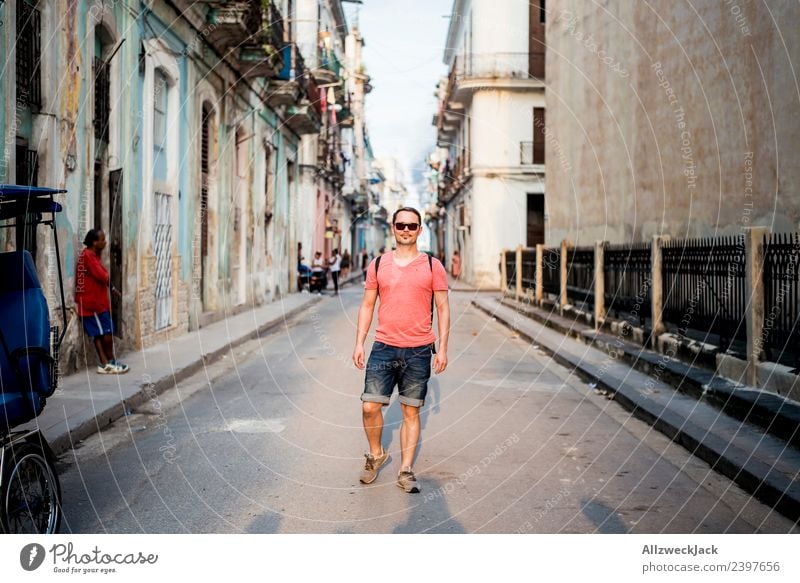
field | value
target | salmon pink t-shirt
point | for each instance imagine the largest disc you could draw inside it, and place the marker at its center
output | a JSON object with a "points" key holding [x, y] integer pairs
{"points": [[404, 295]]}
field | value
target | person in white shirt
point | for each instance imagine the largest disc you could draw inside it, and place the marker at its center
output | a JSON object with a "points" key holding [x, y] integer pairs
{"points": [[335, 264]]}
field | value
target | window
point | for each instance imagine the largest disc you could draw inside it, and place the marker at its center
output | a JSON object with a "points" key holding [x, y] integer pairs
{"points": [[102, 92], [542, 12], [160, 90], [28, 61], [538, 135], [27, 175]]}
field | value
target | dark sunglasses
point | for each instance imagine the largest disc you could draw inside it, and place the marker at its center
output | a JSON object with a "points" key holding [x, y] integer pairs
{"points": [[404, 226]]}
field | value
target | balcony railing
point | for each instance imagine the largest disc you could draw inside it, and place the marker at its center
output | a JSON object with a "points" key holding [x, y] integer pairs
{"points": [[493, 65]]}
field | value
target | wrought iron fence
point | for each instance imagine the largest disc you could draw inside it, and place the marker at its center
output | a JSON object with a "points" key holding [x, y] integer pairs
{"points": [[551, 270], [628, 281], [528, 274], [704, 288], [510, 257], [580, 274], [782, 298]]}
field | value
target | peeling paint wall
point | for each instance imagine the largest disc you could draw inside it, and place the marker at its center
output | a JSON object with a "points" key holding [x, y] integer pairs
{"points": [[63, 133], [673, 118]]}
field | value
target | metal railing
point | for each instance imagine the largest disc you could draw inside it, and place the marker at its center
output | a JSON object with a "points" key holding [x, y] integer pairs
{"points": [[551, 270], [580, 274], [492, 65], [781, 278], [704, 288], [528, 274], [626, 271], [510, 259], [697, 289]]}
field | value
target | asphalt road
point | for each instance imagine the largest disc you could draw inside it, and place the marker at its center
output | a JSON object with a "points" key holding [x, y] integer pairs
{"points": [[269, 440]]}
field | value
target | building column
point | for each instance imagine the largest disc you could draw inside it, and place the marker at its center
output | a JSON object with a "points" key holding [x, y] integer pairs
{"points": [[503, 272], [518, 274], [563, 295], [656, 289], [754, 310], [539, 272], [599, 284]]}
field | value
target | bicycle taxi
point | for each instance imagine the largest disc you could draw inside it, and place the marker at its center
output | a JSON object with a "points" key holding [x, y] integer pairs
{"points": [[30, 493]]}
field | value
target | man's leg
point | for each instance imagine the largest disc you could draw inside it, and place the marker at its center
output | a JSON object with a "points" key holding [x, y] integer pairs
{"points": [[108, 346], [101, 354], [372, 416], [409, 435]]}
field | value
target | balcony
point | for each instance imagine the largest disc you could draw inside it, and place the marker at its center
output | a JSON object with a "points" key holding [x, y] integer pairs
{"points": [[530, 154], [303, 118], [232, 23], [328, 69], [286, 88], [250, 33], [345, 118], [475, 71]]}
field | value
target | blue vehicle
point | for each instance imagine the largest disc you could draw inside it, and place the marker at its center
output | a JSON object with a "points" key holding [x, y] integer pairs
{"points": [[30, 493]]}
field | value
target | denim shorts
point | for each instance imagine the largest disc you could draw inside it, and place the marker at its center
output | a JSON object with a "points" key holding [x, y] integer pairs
{"points": [[408, 368]]}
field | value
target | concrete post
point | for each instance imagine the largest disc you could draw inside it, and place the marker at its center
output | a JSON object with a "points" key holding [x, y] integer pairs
{"points": [[599, 284], [539, 272], [754, 310], [563, 296], [656, 289], [503, 272], [518, 292]]}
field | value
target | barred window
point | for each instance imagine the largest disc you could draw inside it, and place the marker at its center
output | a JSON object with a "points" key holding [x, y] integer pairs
{"points": [[28, 54], [102, 97], [27, 175]]}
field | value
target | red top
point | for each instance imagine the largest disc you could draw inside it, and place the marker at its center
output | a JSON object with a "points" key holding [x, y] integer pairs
{"points": [[404, 312], [91, 285]]}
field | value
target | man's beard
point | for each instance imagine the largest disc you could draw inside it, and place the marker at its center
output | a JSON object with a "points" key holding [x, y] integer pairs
{"points": [[410, 243]]}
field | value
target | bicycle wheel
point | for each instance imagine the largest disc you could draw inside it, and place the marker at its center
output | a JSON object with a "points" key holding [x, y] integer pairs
{"points": [[30, 494]]}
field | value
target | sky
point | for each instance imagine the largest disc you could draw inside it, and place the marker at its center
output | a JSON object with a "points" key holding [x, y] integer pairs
{"points": [[403, 51]]}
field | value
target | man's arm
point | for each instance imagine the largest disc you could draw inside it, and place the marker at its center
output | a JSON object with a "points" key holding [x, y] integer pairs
{"points": [[443, 314], [364, 322]]}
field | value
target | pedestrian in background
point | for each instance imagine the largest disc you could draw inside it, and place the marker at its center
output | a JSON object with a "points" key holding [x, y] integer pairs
{"points": [[94, 304], [335, 264], [455, 265], [364, 264], [408, 283], [345, 264]]}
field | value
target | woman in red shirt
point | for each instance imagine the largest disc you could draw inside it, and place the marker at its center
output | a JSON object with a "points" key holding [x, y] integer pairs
{"points": [[94, 306]]}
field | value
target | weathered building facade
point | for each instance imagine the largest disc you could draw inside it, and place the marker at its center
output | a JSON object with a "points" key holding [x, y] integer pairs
{"points": [[491, 125], [671, 119], [181, 129]]}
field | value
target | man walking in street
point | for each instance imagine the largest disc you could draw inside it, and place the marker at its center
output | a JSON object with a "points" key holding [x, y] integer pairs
{"points": [[335, 264], [409, 284]]}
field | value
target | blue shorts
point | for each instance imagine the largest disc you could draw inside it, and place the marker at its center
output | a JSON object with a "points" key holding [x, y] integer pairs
{"points": [[98, 324], [408, 368]]}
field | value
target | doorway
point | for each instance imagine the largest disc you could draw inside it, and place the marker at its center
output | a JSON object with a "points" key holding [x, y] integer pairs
{"points": [[535, 233]]}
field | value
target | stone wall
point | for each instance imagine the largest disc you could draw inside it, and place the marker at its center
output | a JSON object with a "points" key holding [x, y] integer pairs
{"points": [[671, 118]]}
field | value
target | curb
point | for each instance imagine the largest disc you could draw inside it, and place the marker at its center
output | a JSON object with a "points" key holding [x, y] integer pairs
{"points": [[103, 419], [773, 413]]}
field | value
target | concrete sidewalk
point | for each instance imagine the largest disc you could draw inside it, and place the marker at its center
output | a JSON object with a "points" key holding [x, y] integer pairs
{"points": [[766, 466], [86, 402]]}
